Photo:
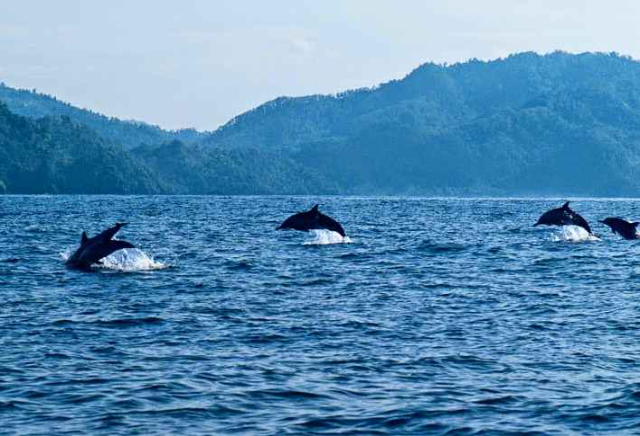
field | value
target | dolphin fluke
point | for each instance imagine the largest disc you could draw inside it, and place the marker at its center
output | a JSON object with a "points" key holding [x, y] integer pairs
{"points": [[119, 245], [312, 219]]}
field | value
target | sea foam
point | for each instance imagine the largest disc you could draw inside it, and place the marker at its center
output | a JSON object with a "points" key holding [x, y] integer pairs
{"points": [[326, 237]]}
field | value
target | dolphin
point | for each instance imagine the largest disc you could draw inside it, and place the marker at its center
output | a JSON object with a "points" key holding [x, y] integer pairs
{"points": [[311, 220], [92, 250], [624, 228], [563, 216]]}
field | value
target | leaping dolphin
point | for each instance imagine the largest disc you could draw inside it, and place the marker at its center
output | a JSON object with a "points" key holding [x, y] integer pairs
{"points": [[624, 228], [312, 220], [92, 250], [563, 216]]}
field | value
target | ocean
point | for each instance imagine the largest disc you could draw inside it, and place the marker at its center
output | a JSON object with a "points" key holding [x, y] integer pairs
{"points": [[434, 316]]}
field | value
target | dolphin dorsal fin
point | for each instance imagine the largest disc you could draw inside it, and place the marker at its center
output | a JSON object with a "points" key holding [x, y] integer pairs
{"points": [[566, 205], [314, 209], [84, 238]]}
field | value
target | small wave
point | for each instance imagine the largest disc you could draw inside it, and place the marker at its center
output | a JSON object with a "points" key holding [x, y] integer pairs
{"points": [[239, 265], [326, 237], [440, 248], [126, 260], [118, 322], [573, 234]]}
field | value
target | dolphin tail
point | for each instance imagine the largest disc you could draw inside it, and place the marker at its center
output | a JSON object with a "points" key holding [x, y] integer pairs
{"points": [[115, 245], [119, 245], [111, 232], [635, 224]]}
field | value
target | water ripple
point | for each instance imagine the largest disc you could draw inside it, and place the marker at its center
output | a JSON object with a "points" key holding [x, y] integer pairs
{"points": [[436, 316]]}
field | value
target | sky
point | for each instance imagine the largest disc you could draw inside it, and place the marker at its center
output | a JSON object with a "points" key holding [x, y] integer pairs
{"points": [[199, 63]]}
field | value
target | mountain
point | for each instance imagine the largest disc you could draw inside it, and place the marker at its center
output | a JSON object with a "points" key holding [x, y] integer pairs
{"points": [[55, 155], [529, 124], [205, 170], [129, 134]]}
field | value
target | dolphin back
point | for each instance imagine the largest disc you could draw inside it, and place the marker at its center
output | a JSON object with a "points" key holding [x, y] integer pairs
{"points": [[622, 227], [563, 216], [577, 220], [326, 222], [295, 222]]}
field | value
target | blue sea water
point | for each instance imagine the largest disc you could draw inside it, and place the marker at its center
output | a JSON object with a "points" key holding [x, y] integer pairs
{"points": [[438, 316]]}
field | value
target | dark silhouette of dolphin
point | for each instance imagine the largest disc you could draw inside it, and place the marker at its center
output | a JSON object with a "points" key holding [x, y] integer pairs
{"points": [[311, 220], [92, 250], [563, 216], [624, 228]]}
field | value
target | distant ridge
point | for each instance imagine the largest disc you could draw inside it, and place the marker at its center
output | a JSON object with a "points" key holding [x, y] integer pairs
{"points": [[129, 134], [529, 124], [57, 155]]}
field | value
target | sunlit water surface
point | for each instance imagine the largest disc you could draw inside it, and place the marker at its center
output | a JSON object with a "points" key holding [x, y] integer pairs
{"points": [[435, 316]]}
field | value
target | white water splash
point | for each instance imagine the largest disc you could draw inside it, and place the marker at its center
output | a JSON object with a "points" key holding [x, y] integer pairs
{"points": [[573, 234], [66, 254], [126, 260], [325, 237], [131, 259]]}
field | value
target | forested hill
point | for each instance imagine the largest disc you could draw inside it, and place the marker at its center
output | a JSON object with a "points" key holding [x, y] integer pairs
{"points": [[557, 124], [529, 124], [434, 97], [56, 155], [129, 134]]}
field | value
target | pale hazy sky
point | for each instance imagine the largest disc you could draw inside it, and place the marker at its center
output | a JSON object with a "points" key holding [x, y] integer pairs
{"points": [[198, 63]]}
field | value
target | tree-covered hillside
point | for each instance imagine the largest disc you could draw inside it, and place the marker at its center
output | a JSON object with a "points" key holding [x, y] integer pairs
{"points": [[55, 155], [51, 155], [129, 134], [527, 124], [558, 124], [204, 170]]}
